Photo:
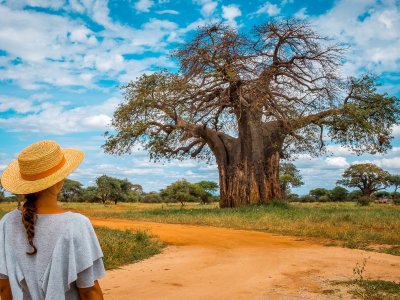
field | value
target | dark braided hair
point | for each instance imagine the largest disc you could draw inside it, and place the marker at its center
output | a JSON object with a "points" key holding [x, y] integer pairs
{"points": [[29, 219]]}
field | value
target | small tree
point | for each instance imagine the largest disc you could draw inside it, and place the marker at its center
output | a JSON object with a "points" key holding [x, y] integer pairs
{"points": [[289, 176], [207, 188], [107, 187], [90, 194], [338, 194], [368, 177], [319, 192], [71, 190], [181, 191], [394, 180]]}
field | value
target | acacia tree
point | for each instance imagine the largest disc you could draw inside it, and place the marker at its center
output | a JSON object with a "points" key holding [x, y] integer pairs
{"points": [[394, 180], [369, 178], [289, 176], [249, 100], [71, 189]]}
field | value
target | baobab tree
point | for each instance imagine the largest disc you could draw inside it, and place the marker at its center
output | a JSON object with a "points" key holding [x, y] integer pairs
{"points": [[249, 100]]}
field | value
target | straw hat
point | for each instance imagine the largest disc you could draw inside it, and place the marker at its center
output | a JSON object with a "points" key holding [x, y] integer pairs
{"points": [[40, 166]]}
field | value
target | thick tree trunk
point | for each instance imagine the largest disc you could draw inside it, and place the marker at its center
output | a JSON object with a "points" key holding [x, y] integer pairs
{"points": [[249, 174], [249, 183]]}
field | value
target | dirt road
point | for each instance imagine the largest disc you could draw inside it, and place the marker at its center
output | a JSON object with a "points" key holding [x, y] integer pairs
{"points": [[217, 263]]}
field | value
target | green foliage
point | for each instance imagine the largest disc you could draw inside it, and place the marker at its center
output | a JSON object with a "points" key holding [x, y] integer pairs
{"points": [[126, 247], [289, 176], [363, 201], [319, 192], [293, 197], [151, 197], [354, 195], [381, 194], [71, 191], [370, 289], [207, 188], [90, 194], [308, 198], [369, 178], [338, 194], [115, 189], [183, 191]]}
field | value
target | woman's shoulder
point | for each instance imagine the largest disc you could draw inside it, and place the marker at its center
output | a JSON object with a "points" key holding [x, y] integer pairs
{"points": [[78, 219], [10, 216]]}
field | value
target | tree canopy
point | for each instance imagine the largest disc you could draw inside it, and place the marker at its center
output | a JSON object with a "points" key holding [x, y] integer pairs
{"points": [[71, 189], [249, 100], [289, 176], [368, 177]]}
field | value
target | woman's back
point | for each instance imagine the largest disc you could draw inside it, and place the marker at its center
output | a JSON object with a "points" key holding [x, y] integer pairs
{"points": [[68, 256]]}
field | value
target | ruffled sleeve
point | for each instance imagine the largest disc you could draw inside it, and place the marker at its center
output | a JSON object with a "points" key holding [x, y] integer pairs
{"points": [[3, 266], [77, 256]]}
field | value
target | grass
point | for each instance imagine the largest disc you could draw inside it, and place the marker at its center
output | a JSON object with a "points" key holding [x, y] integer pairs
{"points": [[126, 247], [370, 289], [374, 227]]}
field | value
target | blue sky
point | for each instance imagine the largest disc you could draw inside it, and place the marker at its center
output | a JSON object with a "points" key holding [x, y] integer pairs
{"points": [[62, 62]]}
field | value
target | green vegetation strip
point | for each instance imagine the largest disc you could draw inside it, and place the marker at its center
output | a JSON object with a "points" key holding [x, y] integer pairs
{"points": [[347, 224], [126, 247], [369, 289]]}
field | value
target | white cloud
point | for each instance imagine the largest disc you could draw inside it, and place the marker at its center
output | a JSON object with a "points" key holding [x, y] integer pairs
{"points": [[16, 104], [338, 161], [55, 118], [167, 11], [269, 9], [301, 13], [144, 5], [230, 13], [371, 28], [68, 53], [208, 7]]}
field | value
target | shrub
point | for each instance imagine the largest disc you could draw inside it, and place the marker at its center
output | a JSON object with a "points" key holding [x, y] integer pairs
{"points": [[152, 197], [308, 198], [354, 195], [363, 201]]}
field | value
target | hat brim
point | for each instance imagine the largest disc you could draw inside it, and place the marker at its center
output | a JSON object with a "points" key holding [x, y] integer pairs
{"points": [[12, 181]]}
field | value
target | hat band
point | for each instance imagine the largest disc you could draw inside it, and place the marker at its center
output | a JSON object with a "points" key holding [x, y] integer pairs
{"points": [[44, 174]]}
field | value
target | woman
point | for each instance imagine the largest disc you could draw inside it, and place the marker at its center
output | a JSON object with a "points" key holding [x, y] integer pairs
{"points": [[46, 252]]}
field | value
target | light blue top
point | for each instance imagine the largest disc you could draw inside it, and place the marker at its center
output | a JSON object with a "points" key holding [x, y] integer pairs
{"points": [[68, 256]]}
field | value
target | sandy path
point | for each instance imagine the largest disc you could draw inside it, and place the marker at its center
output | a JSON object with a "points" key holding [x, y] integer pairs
{"points": [[217, 263]]}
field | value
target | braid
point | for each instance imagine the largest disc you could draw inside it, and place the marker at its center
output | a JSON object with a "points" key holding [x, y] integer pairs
{"points": [[29, 219]]}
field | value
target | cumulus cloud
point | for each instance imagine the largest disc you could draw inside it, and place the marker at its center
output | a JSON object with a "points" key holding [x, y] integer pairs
{"points": [[144, 5], [371, 28], [167, 11], [230, 13], [269, 9], [68, 53], [208, 7], [338, 161], [57, 118]]}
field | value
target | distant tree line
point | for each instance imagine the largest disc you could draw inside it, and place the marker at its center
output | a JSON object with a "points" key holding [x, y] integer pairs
{"points": [[370, 183]]}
